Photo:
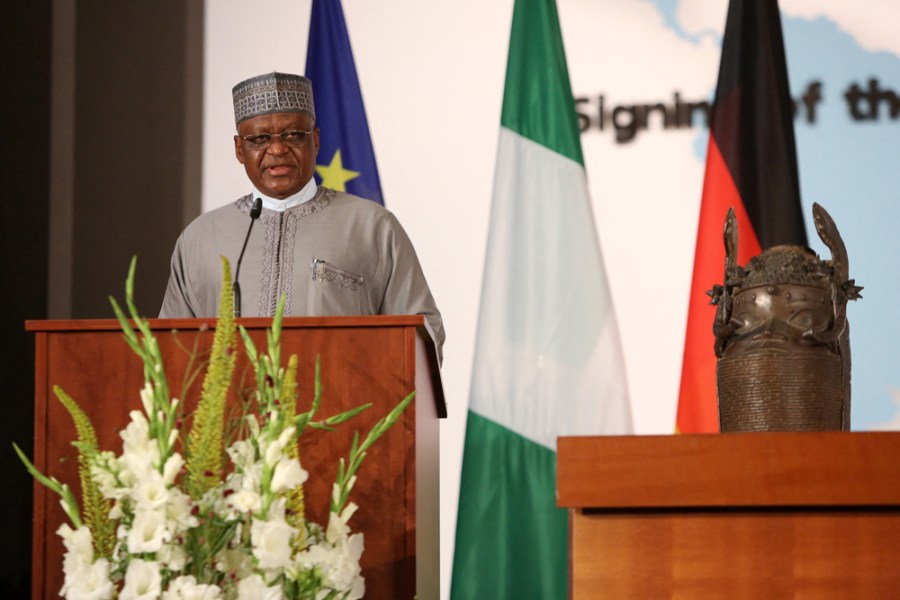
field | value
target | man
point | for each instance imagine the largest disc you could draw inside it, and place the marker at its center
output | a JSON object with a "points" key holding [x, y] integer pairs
{"points": [[329, 252]]}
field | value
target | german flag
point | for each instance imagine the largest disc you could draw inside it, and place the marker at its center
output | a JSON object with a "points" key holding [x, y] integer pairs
{"points": [[751, 165]]}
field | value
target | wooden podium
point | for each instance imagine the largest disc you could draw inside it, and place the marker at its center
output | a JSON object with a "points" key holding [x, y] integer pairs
{"points": [[754, 515], [363, 359]]}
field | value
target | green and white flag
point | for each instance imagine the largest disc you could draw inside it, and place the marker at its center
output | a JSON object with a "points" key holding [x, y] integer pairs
{"points": [[547, 359]]}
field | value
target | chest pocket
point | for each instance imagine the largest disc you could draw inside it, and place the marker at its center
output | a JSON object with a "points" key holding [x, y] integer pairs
{"points": [[335, 291]]}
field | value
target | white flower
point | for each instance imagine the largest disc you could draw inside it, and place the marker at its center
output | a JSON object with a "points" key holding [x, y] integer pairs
{"points": [[272, 452], [245, 501], [151, 492], [136, 435], [148, 532], [234, 562], [337, 524], [105, 469], [143, 581], [288, 475], [336, 490], [116, 512], [242, 453], [249, 478], [173, 434], [287, 436], [254, 588], [138, 465], [147, 397], [277, 509], [92, 583], [338, 563], [172, 467], [253, 426], [271, 543], [172, 556], [78, 542], [140, 454], [187, 588], [83, 577], [179, 511]]}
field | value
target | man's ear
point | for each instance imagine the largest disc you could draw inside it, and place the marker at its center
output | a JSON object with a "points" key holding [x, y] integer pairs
{"points": [[238, 149]]}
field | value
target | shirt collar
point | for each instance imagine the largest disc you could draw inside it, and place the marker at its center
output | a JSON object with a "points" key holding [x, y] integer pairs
{"points": [[304, 195]]}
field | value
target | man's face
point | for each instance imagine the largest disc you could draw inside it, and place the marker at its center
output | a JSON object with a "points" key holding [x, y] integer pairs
{"points": [[281, 170]]}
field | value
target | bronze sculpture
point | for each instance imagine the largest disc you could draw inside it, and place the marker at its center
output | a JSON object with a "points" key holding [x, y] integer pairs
{"points": [[782, 337]]}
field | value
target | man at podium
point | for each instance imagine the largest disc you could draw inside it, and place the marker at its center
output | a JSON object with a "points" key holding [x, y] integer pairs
{"points": [[329, 252]]}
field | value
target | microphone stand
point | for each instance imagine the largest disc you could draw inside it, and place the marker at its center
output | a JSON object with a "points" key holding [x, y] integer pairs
{"points": [[236, 287]]}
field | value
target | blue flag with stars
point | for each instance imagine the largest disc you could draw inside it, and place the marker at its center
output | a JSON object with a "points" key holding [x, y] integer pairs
{"points": [[346, 160]]}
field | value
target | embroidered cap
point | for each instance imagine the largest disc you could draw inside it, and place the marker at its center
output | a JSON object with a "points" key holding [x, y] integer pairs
{"points": [[272, 93]]}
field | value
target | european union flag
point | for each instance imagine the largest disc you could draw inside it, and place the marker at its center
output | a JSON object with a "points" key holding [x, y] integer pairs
{"points": [[346, 160]]}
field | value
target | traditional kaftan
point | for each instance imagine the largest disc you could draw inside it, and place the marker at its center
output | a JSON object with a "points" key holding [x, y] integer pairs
{"points": [[336, 254]]}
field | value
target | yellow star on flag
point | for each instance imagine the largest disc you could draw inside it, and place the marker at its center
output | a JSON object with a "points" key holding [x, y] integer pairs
{"points": [[335, 175]]}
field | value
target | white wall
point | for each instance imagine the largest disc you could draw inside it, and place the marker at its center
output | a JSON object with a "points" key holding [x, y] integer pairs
{"points": [[432, 79]]}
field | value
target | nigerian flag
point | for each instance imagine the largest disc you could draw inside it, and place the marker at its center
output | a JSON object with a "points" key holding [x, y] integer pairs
{"points": [[547, 357]]}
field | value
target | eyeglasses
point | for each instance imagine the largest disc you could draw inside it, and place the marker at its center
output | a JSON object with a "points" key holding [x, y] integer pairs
{"points": [[294, 139]]}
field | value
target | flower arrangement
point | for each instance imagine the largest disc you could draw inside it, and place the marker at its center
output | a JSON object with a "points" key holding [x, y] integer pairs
{"points": [[181, 517]]}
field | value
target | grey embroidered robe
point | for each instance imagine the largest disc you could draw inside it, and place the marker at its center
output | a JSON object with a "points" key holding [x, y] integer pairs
{"points": [[336, 254]]}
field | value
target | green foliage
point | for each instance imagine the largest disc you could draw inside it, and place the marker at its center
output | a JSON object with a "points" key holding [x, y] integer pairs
{"points": [[296, 508], [205, 443], [275, 389], [96, 507], [161, 410], [347, 470], [272, 440], [69, 504]]}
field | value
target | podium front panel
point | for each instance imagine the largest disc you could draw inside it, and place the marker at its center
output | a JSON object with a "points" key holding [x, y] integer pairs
{"points": [[363, 360]]}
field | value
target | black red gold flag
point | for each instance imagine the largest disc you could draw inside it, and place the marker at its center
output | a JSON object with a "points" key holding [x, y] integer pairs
{"points": [[751, 165]]}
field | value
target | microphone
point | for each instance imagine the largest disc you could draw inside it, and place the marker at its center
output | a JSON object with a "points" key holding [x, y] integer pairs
{"points": [[236, 287]]}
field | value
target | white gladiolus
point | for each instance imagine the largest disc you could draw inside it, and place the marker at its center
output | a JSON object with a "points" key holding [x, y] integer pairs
{"points": [[338, 563], [287, 436], [288, 475], [271, 543], [136, 434], [143, 581], [148, 533], [151, 492], [251, 477], [127, 478], [277, 509], [92, 583], [179, 511], [337, 524], [187, 588], [78, 542], [173, 435], [254, 588], [105, 469], [234, 534], [242, 453], [147, 398], [172, 556], [77, 563], [253, 426], [140, 454], [172, 468], [234, 562], [273, 452], [245, 501]]}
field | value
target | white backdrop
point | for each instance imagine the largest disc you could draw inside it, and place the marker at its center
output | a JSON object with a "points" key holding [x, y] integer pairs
{"points": [[432, 76]]}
